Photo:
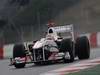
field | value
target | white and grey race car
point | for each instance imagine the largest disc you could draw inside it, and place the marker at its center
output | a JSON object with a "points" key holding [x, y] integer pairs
{"points": [[58, 45]]}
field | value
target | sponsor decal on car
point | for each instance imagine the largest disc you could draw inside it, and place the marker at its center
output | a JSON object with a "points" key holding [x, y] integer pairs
{"points": [[20, 60]]}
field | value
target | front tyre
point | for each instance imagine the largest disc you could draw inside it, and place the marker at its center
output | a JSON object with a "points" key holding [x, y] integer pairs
{"points": [[19, 51]]}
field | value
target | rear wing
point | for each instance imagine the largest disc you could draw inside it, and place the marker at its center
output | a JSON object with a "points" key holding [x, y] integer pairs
{"points": [[62, 29]]}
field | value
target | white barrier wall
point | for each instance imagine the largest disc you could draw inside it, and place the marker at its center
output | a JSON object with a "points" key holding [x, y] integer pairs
{"points": [[8, 51]]}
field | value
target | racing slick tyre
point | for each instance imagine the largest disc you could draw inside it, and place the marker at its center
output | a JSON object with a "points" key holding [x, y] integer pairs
{"points": [[67, 47], [82, 47], [19, 51]]}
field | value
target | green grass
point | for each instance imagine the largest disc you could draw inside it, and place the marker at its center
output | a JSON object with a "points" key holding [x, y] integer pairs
{"points": [[91, 71]]}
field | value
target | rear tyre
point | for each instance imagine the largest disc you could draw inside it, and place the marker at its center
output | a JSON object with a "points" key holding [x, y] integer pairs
{"points": [[19, 51], [67, 46], [82, 47]]}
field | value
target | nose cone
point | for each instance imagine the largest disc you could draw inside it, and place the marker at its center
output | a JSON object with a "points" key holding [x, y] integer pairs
{"points": [[37, 45]]}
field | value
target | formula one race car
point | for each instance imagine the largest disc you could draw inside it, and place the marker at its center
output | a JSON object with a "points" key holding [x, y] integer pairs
{"points": [[58, 45]]}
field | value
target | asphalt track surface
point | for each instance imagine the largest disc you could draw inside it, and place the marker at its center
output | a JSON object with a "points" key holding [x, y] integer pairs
{"points": [[31, 69]]}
